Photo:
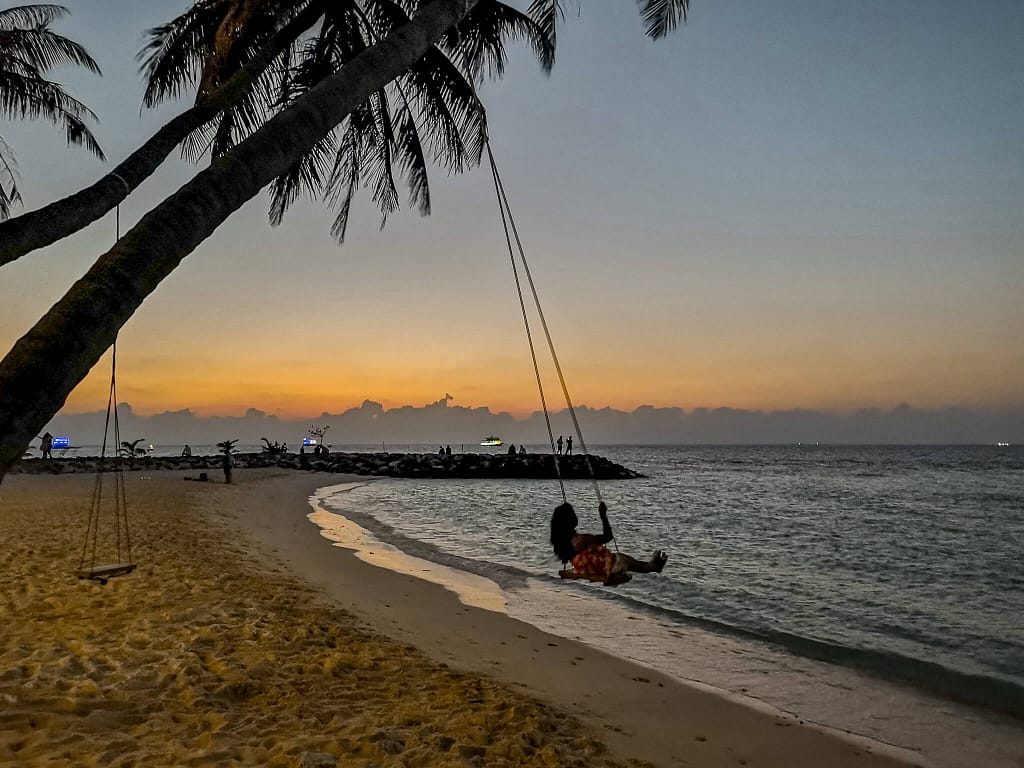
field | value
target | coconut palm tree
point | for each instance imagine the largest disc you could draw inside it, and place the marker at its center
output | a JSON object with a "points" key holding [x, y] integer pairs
{"points": [[29, 49], [252, 61], [46, 225], [45, 365], [211, 35], [431, 109]]}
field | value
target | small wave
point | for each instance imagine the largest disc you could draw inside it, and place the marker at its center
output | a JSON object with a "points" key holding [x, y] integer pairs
{"points": [[993, 693]]}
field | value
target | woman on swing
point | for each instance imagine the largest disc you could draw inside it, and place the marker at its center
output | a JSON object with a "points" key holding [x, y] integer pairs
{"points": [[586, 552]]}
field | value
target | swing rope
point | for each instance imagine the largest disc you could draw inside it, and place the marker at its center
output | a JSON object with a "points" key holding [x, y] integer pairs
{"points": [[505, 217], [91, 544], [508, 222]]}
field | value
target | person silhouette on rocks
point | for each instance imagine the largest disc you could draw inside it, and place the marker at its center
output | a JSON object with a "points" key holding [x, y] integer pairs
{"points": [[559, 444], [568, 445], [46, 445]]}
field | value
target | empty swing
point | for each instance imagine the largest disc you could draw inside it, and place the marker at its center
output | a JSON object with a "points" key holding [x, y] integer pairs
{"points": [[589, 558], [113, 543]]}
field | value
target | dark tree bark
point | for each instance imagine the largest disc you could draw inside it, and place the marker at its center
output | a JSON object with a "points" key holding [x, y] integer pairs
{"points": [[49, 361]]}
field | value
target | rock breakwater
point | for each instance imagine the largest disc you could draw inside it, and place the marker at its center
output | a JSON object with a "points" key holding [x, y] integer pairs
{"points": [[424, 465]]}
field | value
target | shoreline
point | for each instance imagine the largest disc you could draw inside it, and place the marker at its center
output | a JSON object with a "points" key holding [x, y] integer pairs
{"points": [[750, 670], [218, 560], [638, 710]]}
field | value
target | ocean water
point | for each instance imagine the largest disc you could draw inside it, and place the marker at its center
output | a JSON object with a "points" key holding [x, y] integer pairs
{"points": [[876, 590]]}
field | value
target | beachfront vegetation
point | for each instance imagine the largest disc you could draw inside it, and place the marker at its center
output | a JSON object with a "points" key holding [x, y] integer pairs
{"points": [[29, 50], [274, 448], [351, 111], [227, 448], [130, 449]]}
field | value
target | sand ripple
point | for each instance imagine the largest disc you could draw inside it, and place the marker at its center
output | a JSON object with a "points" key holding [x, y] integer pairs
{"points": [[201, 658]]}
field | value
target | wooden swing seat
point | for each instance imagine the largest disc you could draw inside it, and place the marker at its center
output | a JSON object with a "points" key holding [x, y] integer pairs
{"points": [[101, 573]]}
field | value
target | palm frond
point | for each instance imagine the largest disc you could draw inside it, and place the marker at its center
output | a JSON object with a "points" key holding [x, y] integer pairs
{"points": [[43, 50], [306, 176], [450, 108], [410, 158], [662, 16], [38, 15], [347, 171], [9, 193], [173, 56], [198, 143], [33, 97], [385, 194], [478, 42], [547, 14]]}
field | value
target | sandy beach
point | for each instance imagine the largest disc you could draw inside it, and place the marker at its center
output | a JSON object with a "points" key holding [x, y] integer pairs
{"points": [[245, 638]]}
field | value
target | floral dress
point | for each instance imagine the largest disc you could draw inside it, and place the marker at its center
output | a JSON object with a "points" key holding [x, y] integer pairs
{"points": [[596, 561]]}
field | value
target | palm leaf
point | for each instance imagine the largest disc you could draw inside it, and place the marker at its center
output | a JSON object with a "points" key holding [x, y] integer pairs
{"points": [[308, 175], [547, 14], [662, 16], [43, 50], [409, 155], [344, 179], [39, 15], [172, 58], [385, 193], [9, 179]]}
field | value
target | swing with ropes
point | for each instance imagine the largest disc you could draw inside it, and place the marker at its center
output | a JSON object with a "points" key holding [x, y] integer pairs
{"points": [[616, 567], [113, 544]]}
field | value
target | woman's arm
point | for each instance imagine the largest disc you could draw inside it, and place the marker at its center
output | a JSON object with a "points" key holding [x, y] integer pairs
{"points": [[606, 532], [582, 541]]}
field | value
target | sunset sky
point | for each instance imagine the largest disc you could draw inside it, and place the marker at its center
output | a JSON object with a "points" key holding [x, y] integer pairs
{"points": [[801, 204]]}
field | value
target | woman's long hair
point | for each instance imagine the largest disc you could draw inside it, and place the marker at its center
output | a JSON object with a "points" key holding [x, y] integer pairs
{"points": [[563, 528]]}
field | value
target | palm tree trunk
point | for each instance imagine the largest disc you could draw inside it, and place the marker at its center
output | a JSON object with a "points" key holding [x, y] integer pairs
{"points": [[47, 225], [49, 361]]}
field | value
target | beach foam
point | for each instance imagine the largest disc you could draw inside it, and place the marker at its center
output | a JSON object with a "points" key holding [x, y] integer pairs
{"points": [[472, 590]]}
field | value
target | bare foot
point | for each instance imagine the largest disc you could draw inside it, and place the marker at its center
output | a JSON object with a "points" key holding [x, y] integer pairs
{"points": [[659, 560]]}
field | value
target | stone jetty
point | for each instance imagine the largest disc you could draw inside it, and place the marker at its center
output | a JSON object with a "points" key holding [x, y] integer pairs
{"points": [[424, 465]]}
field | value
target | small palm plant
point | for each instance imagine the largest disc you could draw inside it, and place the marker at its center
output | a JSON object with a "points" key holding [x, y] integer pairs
{"points": [[227, 447], [274, 448], [129, 450]]}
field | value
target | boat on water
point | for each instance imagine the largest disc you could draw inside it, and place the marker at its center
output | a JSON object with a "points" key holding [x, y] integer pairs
{"points": [[491, 440]]}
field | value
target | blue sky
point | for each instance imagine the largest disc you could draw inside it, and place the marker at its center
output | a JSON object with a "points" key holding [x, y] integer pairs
{"points": [[812, 206]]}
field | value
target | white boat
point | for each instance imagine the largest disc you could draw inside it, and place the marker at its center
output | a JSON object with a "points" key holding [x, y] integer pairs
{"points": [[491, 440]]}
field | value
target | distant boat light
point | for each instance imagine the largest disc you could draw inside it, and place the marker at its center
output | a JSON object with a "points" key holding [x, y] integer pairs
{"points": [[62, 442], [309, 441]]}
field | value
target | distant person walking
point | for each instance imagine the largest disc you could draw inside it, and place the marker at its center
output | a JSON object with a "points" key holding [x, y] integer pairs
{"points": [[46, 445], [568, 445], [559, 443]]}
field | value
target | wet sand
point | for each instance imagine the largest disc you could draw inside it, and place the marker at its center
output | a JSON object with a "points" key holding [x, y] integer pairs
{"points": [[246, 638]]}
